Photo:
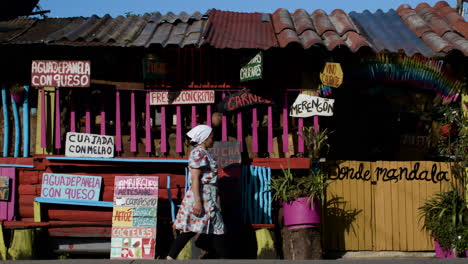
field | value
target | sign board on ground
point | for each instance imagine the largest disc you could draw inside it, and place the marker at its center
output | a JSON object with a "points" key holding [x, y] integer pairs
{"points": [[253, 69], [307, 105], [332, 75], [154, 68], [4, 188], [52, 73], [89, 145], [134, 217], [226, 153], [182, 97], [71, 187]]}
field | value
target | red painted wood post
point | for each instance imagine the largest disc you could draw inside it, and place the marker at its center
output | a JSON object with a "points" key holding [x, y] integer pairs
{"points": [[179, 130], [103, 117], [148, 124], [208, 115], [300, 138], [7, 208], [43, 120], [133, 143], [239, 130], [163, 130], [194, 116], [270, 129], [118, 132], [224, 125], [254, 131], [285, 124], [58, 132], [73, 115]]}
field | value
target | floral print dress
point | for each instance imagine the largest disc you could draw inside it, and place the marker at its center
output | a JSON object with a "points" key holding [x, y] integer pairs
{"points": [[210, 221]]}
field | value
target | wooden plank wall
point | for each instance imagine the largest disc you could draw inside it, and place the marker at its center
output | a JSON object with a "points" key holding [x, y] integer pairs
{"points": [[378, 209]]}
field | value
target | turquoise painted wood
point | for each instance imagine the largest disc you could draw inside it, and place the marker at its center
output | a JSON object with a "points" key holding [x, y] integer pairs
{"points": [[256, 202], [6, 121], [119, 160], [16, 119], [74, 202], [169, 196], [17, 165], [26, 122]]}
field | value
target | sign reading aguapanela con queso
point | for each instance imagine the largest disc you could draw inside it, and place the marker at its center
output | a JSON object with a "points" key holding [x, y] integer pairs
{"points": [[182, 97], [307, 105], [51, 73], [253, 69], [89, 145], [134, 217], [71, 187]]}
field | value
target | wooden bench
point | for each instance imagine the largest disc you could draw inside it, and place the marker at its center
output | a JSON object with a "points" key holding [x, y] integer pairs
{"points": [[41, 200]]}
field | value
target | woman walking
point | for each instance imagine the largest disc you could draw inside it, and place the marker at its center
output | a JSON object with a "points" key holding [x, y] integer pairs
{"points": [[200, 211]]}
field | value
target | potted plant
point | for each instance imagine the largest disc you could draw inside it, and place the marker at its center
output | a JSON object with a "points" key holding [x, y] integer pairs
{"points": [[445, 217], [17, 93], [300, 196], [316, 142]]}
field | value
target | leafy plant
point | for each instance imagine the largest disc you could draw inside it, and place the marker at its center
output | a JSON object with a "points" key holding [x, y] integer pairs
{"points": [[316, 142], [289, 187], [445, 216]]}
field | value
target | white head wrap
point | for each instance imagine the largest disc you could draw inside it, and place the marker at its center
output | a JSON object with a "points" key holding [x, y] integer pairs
{"points": [[199, 133]]}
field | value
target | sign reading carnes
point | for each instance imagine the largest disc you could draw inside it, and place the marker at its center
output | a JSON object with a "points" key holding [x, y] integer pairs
{"points": [[50, 73], [89, 145], [308, 105], [182, 97]]}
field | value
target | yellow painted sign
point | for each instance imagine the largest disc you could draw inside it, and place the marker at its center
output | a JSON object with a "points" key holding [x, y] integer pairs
{"points": [[332, 75], [122, 216]]}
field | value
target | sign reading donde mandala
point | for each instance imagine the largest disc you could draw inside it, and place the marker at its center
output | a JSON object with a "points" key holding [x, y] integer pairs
{"points": [[89, 145], [182, 97], [71, 187], [134, 217], [332, 75], [60, 73], [253, 69], [308, 105]]}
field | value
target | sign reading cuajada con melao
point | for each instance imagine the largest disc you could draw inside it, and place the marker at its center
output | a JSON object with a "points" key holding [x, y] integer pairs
{"points": [[89, 145]]}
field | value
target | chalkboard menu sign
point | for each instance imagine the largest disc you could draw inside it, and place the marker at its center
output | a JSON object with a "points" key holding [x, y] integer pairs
{"points": [[226, 153], [134, 217]]}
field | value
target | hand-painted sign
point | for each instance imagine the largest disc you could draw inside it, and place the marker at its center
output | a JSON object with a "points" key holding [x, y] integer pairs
{"points": [[226, 153], [253, 69], [154, 68], [4, 188], [71, 187], [308, 105], [182, 97], [89, 145], [332, 75], [241, 99], [134, 217], [60, 73]]}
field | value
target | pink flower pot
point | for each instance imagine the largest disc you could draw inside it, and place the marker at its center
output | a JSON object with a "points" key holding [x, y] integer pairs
{"points": [[300, 214], [442, 252], [18, 96]]}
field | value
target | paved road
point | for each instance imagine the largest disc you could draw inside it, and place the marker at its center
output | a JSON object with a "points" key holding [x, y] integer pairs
{"points": [[251, 261]]}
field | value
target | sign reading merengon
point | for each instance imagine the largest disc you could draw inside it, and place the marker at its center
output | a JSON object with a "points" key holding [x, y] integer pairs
{"points": [[50, 73]]}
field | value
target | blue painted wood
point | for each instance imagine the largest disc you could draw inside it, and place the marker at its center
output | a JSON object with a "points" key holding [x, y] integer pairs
{"points": [[244, 193], [254, 181], [169, 196], [26, 122], [119, 160], [270, 220], [16, 119], [17, 165], [6, 126], [74, 202], [260, 195], [188, 183]]}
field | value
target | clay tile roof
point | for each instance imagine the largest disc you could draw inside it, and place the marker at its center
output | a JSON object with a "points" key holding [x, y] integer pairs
{"points": [[440, 27]]}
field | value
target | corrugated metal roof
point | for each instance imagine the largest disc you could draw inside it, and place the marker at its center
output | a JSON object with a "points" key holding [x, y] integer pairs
{"points": [[239, 30], [440, 27], [9, 30], [331, 31], [387, 32]]}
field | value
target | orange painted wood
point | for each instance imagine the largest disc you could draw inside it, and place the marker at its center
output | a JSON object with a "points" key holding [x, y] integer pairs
{"points": [[85, 231], [73, 214], [29, 189], [28, 177]]}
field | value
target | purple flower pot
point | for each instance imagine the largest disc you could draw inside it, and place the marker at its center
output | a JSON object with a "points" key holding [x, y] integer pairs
{"points": [[300, 214], [442, 252], [18, 96]]}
